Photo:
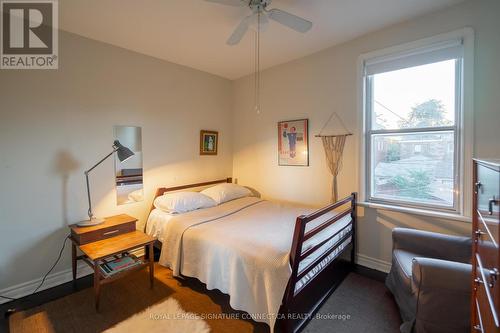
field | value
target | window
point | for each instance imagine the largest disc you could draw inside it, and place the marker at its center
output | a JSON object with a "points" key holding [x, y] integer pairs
{"points": [[413, 114]]}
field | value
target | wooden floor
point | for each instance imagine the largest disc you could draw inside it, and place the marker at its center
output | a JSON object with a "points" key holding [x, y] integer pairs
{"points": [[363, 297], [125, 297]]}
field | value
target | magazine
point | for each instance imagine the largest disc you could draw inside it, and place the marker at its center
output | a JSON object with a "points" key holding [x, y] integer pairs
{"points": [[116, 264]]}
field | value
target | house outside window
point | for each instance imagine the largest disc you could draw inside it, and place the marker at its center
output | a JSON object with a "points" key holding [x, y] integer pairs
{"points": [[413, 120]]}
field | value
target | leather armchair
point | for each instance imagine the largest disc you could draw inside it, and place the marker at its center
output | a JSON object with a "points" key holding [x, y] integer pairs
{"points": [[430, 280]]}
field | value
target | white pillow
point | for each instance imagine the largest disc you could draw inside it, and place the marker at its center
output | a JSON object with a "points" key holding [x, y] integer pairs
{"points": [[135, 196], [226, 192], [183, 202]]}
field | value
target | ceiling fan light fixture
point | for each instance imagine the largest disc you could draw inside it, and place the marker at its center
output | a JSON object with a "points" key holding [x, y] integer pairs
{"points": [[257, 7]]}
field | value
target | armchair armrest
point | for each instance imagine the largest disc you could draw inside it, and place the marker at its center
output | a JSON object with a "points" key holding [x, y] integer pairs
{"points": [[443, 291], [433, 245], [431, 273]]}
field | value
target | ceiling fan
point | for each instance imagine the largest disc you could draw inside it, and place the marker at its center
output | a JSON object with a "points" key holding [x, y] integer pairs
{"points": [[258, 20], [260, 17]]}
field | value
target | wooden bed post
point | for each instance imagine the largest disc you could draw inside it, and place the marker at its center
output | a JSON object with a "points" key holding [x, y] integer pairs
{"points": [[354, 220], [295, 253]]}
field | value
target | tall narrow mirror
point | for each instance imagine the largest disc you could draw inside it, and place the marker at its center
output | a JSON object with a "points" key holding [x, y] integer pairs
{"points": [[128, 174]]}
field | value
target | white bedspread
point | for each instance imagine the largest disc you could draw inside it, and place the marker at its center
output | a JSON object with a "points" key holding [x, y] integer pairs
{"points": [[240, 248], [156, 223]]}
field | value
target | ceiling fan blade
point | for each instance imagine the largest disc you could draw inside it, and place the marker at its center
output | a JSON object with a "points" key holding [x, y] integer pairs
{"points": [[236, 3], [240, 31], [292, 21]]}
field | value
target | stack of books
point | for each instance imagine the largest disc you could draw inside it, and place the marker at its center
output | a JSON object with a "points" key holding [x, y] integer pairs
{"points": [[113, 265]]}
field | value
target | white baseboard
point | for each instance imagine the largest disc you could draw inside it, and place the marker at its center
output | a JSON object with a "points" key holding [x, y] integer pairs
{"points": [[373, 263], [52, 280]]}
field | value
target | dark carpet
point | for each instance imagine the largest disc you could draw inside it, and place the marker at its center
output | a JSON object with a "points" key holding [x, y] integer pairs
{"points": [[359, 304]]}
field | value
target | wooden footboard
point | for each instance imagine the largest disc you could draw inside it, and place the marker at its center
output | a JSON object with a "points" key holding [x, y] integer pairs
{"points": [[325, 273]]}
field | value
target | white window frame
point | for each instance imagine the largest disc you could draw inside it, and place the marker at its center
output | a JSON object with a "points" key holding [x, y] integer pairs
{"points": [[463, 128]]}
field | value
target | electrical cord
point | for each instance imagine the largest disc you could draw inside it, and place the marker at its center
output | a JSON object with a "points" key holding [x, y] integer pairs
{"points": [[46, 274]]}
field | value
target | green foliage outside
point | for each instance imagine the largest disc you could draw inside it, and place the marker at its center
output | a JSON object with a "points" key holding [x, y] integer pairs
{"points": [[426, 114], [416, 184]]}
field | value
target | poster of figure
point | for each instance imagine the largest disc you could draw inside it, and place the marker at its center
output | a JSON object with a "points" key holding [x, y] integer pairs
{"points": [[293, 142]]}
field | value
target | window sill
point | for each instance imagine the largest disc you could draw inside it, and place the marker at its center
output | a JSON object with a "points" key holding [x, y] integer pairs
{"points": [[415, 211]]}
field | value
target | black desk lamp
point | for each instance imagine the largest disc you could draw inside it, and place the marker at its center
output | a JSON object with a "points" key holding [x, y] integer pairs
{"points": [[123, 154]]}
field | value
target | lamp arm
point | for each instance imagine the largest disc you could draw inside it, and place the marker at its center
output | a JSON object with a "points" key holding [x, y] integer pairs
{"points": [[104, 159], [91, 215]]}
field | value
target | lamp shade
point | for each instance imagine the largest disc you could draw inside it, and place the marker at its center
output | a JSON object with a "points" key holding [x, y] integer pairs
{"points": [[122, 152]]}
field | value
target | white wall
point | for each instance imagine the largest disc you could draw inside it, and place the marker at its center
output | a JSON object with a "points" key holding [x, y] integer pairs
{"points": [[314, 86], [54, 124]]}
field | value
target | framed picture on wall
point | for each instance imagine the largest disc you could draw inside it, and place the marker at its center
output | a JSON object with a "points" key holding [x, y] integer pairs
{"points": [[209, 141], [293, 142]]}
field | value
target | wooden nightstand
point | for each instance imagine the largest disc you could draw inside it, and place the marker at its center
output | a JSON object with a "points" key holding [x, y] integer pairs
{"points": [[113, 237]]}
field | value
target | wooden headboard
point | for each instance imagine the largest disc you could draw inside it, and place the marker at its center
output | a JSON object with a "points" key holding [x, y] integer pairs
{"points": [[160, 191]]}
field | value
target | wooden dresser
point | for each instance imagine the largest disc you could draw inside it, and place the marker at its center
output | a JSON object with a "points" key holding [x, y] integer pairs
{"points": [[485, 305]]}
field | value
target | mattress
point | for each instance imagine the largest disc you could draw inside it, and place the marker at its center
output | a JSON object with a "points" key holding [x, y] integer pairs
{"points": [[242, 248], [158, 219]]}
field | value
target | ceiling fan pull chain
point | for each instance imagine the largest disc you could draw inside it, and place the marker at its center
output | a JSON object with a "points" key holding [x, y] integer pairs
{"points": [[257, 66], [258, 63], [255, 101]]}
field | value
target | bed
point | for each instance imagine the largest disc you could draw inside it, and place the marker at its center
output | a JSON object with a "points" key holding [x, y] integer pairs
{"points": [[277, 262]]}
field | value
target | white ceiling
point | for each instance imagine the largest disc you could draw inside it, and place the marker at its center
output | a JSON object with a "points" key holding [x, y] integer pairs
{"points": [[193, 32]]}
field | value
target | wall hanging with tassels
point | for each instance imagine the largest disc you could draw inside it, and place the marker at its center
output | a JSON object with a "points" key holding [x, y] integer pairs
{"points": [[334, 148]]}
